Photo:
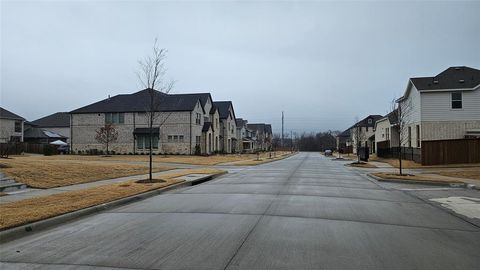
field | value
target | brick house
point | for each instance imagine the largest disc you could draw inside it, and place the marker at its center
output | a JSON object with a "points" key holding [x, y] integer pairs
{"points": [[11, 126], [178, 125], [228, 127]]}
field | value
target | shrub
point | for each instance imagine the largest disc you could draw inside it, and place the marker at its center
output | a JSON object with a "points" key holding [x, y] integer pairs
{"points": [[48, 150]]}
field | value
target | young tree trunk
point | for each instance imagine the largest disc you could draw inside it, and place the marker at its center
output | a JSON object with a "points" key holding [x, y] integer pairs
{"points": [[400, 160], [150, 148]]}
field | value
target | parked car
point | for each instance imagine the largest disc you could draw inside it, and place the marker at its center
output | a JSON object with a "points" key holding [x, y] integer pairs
{"points": [[63, 149], [328, 152]]}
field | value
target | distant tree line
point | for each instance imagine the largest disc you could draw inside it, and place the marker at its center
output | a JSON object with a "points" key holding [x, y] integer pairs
{"points": [[320, 141]]}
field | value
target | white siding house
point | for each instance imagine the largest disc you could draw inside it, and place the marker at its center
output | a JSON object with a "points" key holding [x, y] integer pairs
{"points": [[446, 106]]}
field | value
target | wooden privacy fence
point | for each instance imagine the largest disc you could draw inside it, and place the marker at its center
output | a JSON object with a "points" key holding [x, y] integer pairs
{"points": [[451, 151]]}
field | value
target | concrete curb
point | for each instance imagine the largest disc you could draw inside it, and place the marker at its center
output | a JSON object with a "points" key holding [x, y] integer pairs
{"points": [[463, 185], [27, 229]]}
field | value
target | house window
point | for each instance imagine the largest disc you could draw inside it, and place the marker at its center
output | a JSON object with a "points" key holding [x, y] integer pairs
{"points": [[170, 138], [457, 100], [369, 121], [417, 133], [175, 138], [114, 118], [409, 136], [197, 140], [18, 126], [143, 142], [180, 138], [198, 120]]}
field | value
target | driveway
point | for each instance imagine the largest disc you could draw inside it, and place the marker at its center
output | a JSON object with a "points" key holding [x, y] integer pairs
{"points": [[304, 212]]}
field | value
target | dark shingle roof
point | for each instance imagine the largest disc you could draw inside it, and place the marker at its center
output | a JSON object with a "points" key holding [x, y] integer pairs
{"points": [[203, 97], [258, 127], [345, 133], [268, 128], [206, 126], [452, 78], [364, 121], [392, 117], [223, 108], [138, 102], [38, 133], [5, 114], [59, 119]]}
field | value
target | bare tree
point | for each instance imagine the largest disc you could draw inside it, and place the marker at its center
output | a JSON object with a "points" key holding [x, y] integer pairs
{"points": [[151, 75], [358, 137], [106, 135], [401, 109]]}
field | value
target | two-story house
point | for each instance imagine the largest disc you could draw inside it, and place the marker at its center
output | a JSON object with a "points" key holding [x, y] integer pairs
{"points": [[362, 133], [177, 126], [58, 123], [442, 107], [228, 128], [11, 126], [263, 136], [386, 131]]}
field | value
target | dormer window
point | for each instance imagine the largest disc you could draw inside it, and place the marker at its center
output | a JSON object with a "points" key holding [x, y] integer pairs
{"points": [[457, 100]]}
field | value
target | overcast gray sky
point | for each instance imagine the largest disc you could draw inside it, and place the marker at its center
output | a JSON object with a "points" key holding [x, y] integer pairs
{"points": [[323, 63]]}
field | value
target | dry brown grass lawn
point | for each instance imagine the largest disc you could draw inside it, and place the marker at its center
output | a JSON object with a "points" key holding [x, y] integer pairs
{"points": [[184, 159], [416, 178], [471, 173], [35, 209], [48, 173], [406, 164]]}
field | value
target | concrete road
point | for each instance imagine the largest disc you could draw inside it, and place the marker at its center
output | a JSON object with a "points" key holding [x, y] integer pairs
{"points": [[304, 212]]}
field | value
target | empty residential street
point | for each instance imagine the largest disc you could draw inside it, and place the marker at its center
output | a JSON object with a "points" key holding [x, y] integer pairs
{"points": [[303, 212]]}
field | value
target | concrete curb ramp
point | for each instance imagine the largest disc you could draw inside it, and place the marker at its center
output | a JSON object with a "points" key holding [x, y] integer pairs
{"points": [[431, 183], [27, 229]]}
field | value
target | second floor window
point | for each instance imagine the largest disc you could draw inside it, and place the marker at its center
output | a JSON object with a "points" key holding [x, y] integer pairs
{"points": [[457, 100], [198, 120], [18, 126], [114, 118]]}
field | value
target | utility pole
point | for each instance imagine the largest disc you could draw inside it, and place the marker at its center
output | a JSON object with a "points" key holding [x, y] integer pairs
{"points": [[291, 139], [282, 130]]}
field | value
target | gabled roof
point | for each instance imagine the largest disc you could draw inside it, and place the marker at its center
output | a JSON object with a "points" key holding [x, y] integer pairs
{"points": [[392, 117], [364, 121], [138, 102], [203, 97], [452, 78], [345, 133], [207, 126], [213, 109], [268, 128], [257, 127], [223, 108], [5, 114], [59, 119], [241, 123]]}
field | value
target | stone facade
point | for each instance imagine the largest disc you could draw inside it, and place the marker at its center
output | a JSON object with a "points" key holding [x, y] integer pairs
{"points": [[8, 131], [179, 131]]}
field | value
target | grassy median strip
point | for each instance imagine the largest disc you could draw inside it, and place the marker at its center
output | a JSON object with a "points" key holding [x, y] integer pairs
{"points": [[30, 210], [263, 158], [49, 173], [414, 178]]}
